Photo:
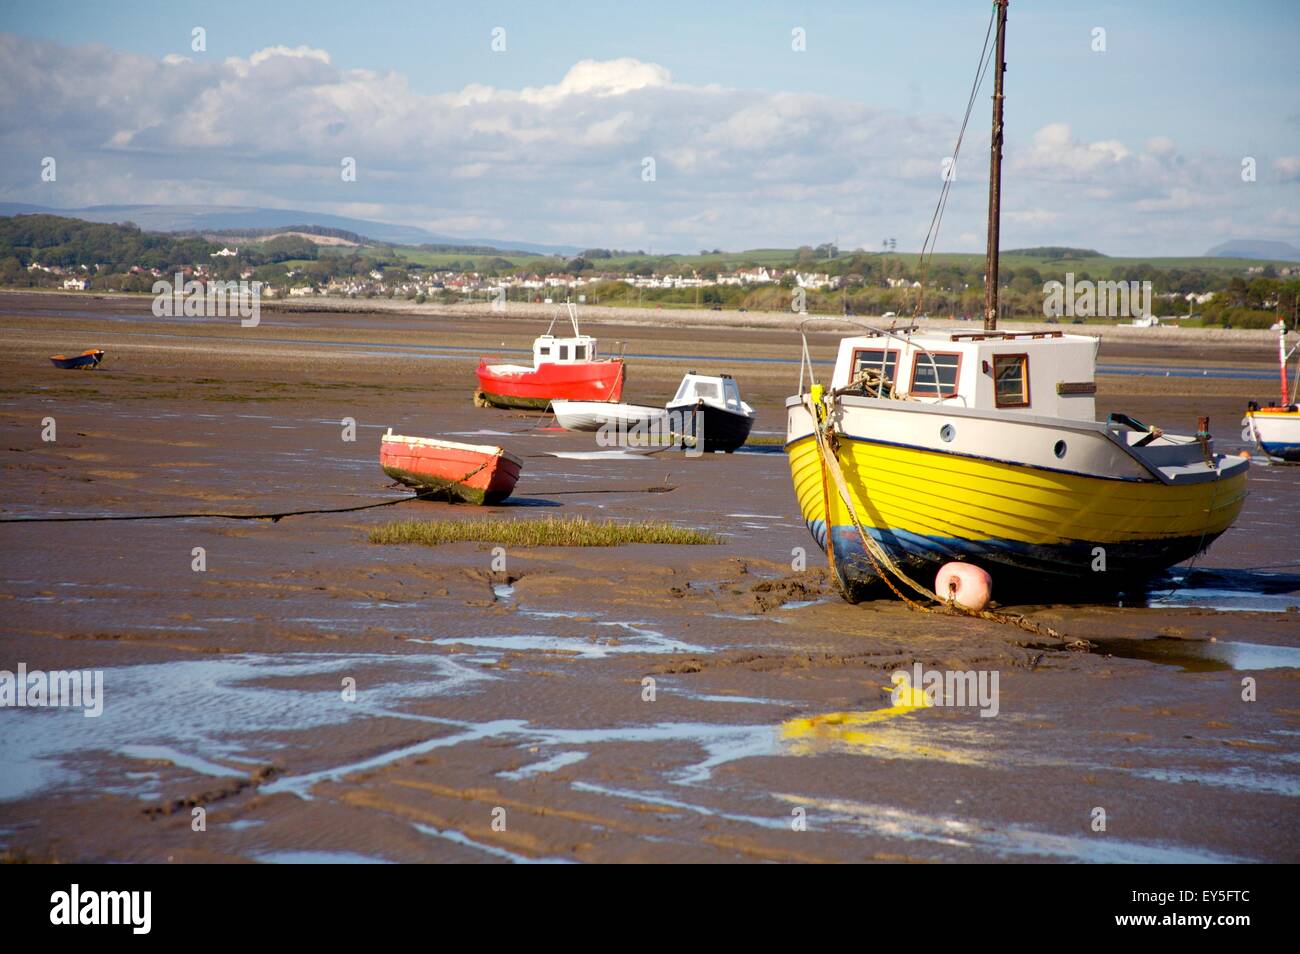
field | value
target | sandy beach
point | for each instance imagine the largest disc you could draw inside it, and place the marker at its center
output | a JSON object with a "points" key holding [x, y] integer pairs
{"points": [[506, 714]]}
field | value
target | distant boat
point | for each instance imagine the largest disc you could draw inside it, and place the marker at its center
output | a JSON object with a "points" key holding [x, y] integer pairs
{"points": [[87, 359], [562, 369], [711, 413], [706, 408], [473, 473], [1276, 428]]}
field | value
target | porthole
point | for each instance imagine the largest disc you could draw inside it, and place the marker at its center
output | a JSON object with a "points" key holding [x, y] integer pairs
{"points": [[948, 432], [1059, 449]]}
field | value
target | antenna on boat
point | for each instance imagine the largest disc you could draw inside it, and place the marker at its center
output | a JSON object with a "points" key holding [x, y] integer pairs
{"points": [[995, 176], [1282, 357]]}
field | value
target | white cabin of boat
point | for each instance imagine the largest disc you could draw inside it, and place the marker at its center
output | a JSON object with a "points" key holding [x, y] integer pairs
{"points": [[1045, 374], [577, 349], [721, 391]]}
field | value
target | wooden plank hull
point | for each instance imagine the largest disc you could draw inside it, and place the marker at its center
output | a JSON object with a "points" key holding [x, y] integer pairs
{"points": [[471, 473]]}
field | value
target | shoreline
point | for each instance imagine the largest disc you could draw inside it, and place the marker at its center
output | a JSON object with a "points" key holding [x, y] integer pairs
{"points": [[693, 318]]}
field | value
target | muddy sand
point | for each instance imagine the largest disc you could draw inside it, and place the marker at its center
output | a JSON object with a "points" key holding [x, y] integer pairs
{"points": [[505, 715]]}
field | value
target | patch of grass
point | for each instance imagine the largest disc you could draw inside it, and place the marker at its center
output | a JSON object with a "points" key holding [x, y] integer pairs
{"points": [[543, 532], [766, 439]]}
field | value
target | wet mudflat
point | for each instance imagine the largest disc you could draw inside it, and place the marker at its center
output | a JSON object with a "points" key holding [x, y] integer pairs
{"points": [[504, 714]]}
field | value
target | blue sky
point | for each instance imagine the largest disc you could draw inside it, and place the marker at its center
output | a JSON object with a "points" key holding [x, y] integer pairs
{"points": [[1156, 126]]}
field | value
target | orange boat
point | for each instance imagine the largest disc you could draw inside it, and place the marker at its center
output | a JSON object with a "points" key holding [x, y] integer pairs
{"points": [[87, 359], [473, 473]]}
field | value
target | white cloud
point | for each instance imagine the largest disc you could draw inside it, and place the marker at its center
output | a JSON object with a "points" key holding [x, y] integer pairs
{"points": [[1287, 168], [1160, 146], [561, 162], [1055, 152], [597, 78]]}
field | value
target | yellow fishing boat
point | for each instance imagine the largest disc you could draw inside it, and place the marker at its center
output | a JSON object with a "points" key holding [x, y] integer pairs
{"points": [[984, 448]]}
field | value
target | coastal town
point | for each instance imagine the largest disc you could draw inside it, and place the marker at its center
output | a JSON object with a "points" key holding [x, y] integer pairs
{"points": [[694, 287]]}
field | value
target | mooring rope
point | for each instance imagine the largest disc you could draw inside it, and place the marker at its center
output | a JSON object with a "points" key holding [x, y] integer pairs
{"points": [[273, 517], [880, 558]]}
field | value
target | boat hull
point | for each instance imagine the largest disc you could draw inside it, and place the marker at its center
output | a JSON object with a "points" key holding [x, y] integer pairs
{"points": [[471, 473], [1027, 526], [721, 430], [1277, 432], [515, 386], [593, 415], [87, 359]]}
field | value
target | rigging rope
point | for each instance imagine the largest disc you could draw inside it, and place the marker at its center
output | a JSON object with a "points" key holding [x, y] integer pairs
{"points": [[932, 234]]}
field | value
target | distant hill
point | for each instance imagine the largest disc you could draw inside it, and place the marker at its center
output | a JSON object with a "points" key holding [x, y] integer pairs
{"points": [[1256, 248], [199, 219]]}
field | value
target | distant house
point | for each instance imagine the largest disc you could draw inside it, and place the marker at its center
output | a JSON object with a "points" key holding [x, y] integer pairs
{"points": [[225, 253], [749, 276], [76, 284], [817, 280], [300, 291]]}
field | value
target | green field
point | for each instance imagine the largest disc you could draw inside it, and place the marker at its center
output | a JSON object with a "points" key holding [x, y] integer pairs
{"points": [[1102, 266]]}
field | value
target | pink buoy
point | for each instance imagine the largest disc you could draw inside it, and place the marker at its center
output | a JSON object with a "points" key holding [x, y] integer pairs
{"points": [[964, 584]]}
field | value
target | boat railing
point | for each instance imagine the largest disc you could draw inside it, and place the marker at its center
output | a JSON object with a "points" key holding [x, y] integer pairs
{"points": [[573, 319], [903, 336]]}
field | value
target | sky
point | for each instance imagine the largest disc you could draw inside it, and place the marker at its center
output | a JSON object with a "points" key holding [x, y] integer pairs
{"points": [[1137, 148]]}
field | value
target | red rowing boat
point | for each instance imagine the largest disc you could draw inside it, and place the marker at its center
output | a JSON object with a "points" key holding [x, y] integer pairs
{"points": [[562, 368], [473, 473]]}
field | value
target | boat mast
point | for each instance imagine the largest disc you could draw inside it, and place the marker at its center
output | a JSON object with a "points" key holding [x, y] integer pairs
{"points": [[1281, 358], [995, 177]]}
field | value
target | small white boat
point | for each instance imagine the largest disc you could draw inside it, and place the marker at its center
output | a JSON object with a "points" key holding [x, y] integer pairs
{"points": [[710, 413], [706, 412], [1276, 429], [593, 415]]}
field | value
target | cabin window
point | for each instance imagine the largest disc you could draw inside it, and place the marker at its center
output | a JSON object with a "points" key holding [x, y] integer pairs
{"points": [[564, 352], [877, 359], [1011, 380], [707, 390], [544, 350], [732, 392], [579, 352], [946, 365]]}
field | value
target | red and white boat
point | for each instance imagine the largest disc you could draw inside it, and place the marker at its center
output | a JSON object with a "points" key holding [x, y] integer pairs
{"points": [[563, 368], [473, 473], [1276, 428]]}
